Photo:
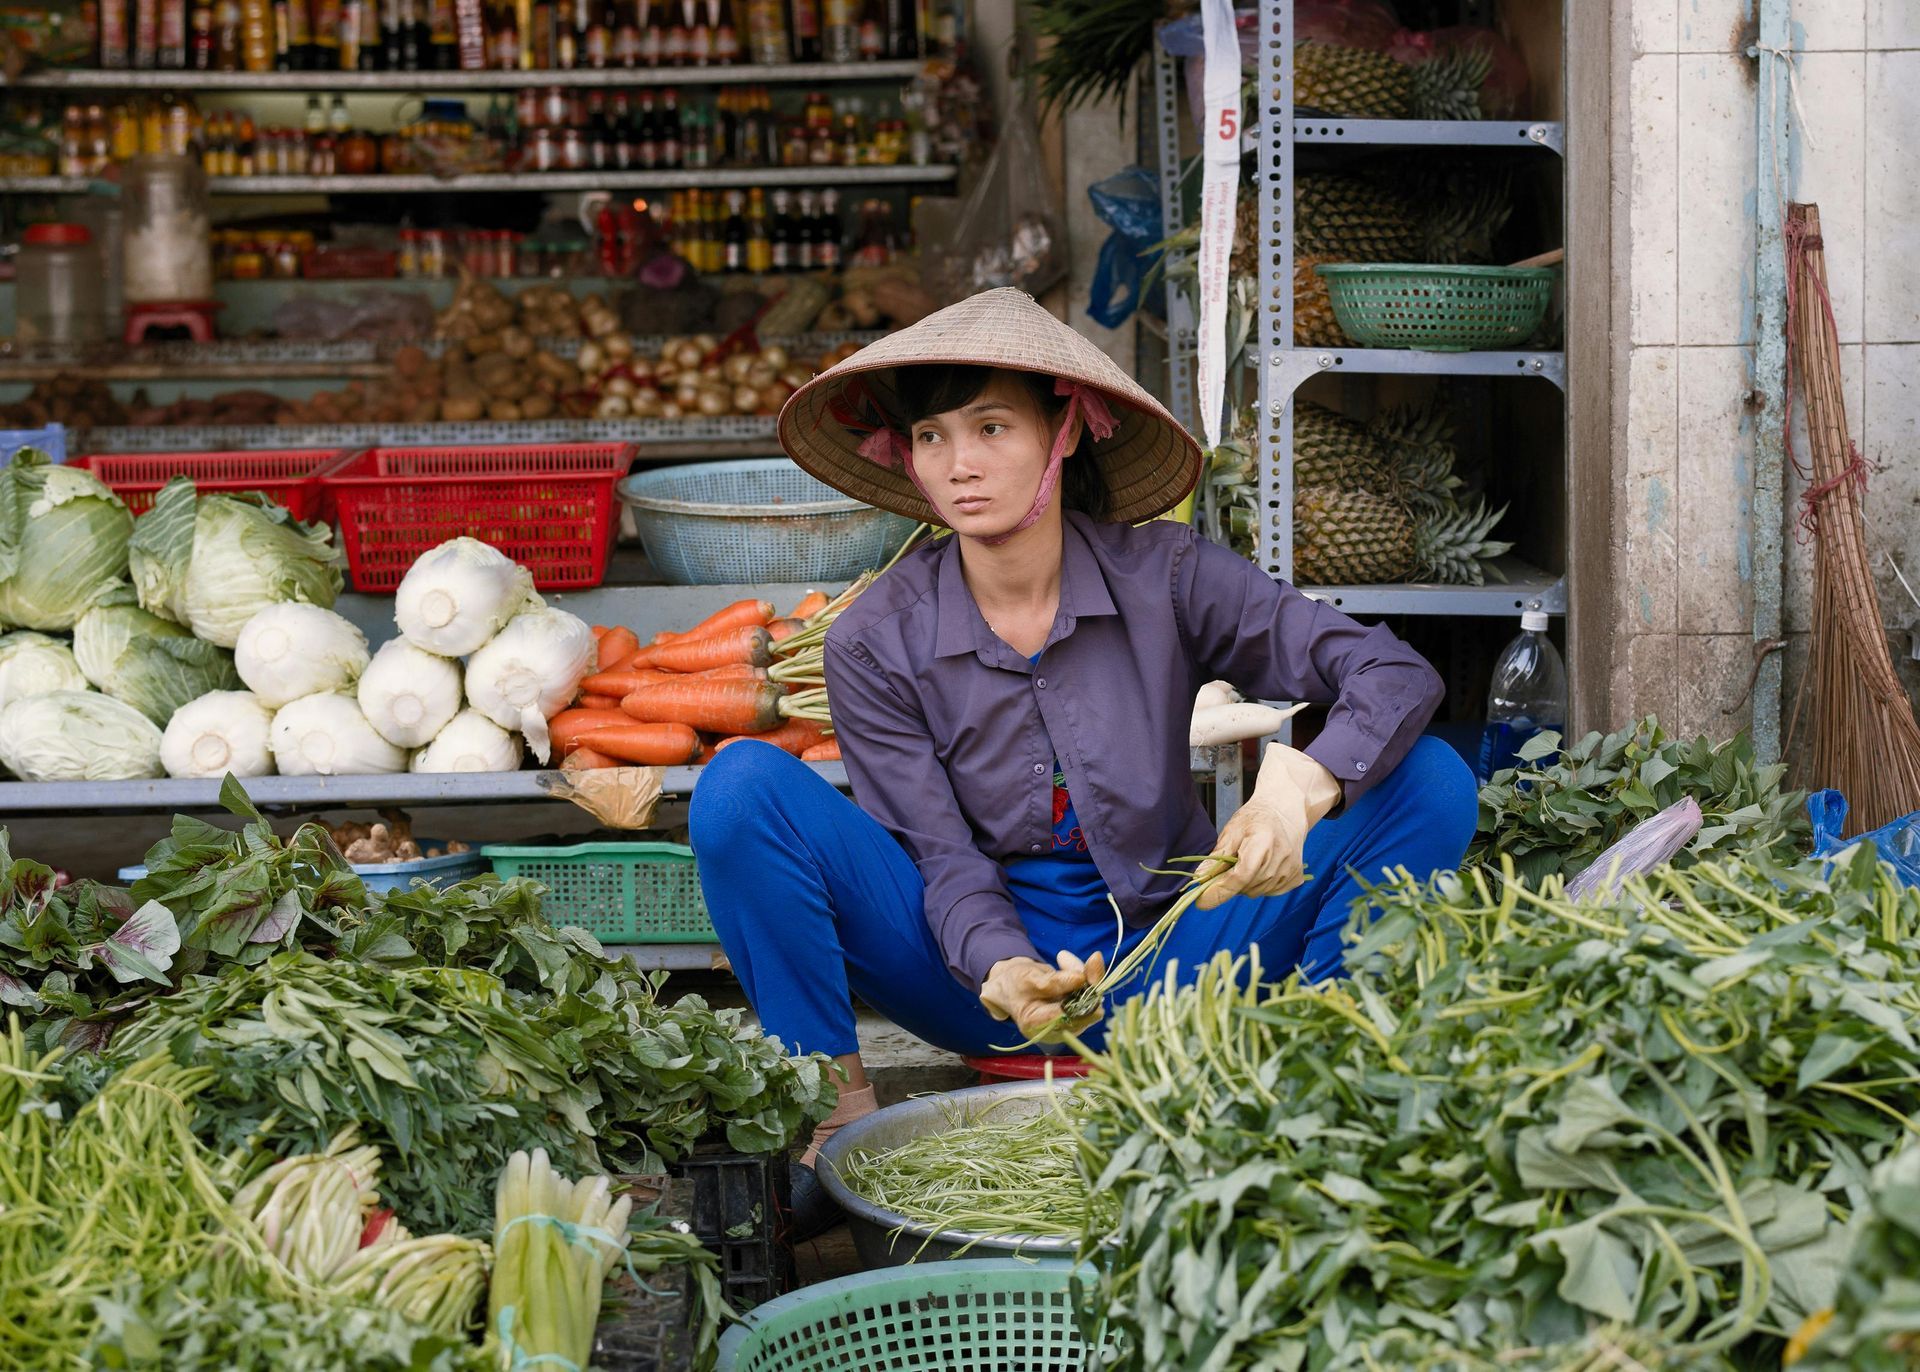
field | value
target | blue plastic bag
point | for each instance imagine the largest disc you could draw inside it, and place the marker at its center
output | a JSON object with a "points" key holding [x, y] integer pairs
{"points": [[1898, 842], [1128, 201], [51, 440]]}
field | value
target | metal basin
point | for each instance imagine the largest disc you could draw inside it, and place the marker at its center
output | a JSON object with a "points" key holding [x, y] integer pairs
{"points": [[885, 1238]]}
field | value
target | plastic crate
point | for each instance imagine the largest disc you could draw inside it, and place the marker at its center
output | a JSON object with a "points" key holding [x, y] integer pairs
{"points": [[393, 876], [1438, 309], [990, 1315], [618, 892], [51, 440], [549, 507], [739, 1211], [645, 1329], [286, 476]]}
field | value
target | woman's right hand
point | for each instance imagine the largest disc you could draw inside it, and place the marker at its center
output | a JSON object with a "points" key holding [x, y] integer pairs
{"points": [[1033, 995]]}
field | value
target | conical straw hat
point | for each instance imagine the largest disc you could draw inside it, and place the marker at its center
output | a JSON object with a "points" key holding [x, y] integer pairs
{"points": [[1149, 462]]}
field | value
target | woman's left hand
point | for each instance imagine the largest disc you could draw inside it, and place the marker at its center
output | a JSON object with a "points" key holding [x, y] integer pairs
{"points": [[1033, 995], [1267, 836]]}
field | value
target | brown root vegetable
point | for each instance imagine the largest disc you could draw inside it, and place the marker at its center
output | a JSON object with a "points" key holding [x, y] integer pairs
{"points": [[462, 408], [537, 406], [483, 343], [503, 410], [516, 343], [410, 361]]}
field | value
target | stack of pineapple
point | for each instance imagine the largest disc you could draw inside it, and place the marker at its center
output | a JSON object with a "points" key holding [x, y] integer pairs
{"points": [[1382, 502], [1358, 83]]}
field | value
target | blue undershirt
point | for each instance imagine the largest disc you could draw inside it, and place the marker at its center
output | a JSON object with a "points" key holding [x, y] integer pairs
{"points": [[1064, 882]]}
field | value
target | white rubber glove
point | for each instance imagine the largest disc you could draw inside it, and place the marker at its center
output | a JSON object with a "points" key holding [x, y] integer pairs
{"points": [[1031, 994], [1267, 836]]}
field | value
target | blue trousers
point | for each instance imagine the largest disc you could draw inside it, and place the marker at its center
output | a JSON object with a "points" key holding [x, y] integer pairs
{"points": [[812, 899]]}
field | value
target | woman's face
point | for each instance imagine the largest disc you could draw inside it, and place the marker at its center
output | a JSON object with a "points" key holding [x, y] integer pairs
{"points": [[981, 464]]}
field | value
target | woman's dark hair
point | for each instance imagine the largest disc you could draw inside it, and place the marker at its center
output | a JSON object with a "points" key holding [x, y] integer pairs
{"points": [[935, 388]]}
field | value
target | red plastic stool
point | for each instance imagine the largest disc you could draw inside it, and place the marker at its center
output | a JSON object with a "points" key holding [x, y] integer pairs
{"points": [[195, 316], [1028, 1067]]}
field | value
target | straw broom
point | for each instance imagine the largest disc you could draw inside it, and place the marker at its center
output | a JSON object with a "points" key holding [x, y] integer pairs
{"points": [[1865, 740]]}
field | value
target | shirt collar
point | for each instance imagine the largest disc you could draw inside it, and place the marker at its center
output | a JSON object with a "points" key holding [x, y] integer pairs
{"points": [[1083, 594]]}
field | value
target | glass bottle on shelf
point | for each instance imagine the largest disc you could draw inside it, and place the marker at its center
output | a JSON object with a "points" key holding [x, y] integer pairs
{"points": [[759, 246], [626, 36], [872, 30], [700, 33], [600, 27], [443, 40], [780, 254], [726, 35], [653, 35], [566, 41], [669, 128], [803, 17], [678, 44], [734, 234], [826, 235], [840, 30], [646, 134], [803, 234]]}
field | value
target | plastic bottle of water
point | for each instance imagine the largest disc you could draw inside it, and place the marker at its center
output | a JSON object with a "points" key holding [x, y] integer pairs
{"points": [[1528, 695]]}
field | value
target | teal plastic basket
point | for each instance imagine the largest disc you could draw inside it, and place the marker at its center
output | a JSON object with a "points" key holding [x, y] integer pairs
{"points": [[991, 1315], [618, 892], [754, 521], [1438, 309]]}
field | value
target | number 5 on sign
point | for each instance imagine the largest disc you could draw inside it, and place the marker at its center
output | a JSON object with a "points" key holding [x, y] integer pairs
{"points": [[1219, 185]]}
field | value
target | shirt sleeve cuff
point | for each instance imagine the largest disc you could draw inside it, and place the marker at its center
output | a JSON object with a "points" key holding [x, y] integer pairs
{"points": [[1351, 756], [983, 930]]}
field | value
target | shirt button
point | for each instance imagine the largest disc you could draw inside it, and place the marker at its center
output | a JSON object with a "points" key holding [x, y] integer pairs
{"points": [[1036, 847], [1360, 767], [1039, 769], [1041, 682]]}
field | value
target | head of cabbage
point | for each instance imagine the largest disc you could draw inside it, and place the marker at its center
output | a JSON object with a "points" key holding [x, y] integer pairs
{"points": [[154, 665], [214, 562], [77, 736], [63, 542], [32, 664]]}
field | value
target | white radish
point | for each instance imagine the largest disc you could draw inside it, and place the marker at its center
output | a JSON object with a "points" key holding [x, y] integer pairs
{"points": [[1215, 693], [1223, 724]]}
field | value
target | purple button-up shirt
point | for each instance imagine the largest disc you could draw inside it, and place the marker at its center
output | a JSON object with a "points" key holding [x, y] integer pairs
{"points": [[950, 735]]}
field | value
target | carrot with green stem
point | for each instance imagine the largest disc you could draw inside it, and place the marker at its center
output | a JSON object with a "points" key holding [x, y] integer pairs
{"points": [[794, 736], [649, 745], [828, 750], [746, 643], [716, 705], [811, 604], [741, 612]]}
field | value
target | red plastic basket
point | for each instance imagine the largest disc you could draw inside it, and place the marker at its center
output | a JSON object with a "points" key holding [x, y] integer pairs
{"points": [[547, 506], [288, 476], [1028, 1067]]}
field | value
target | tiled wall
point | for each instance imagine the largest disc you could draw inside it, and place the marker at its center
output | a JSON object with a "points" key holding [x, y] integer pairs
{"points": [[1684, 567]]}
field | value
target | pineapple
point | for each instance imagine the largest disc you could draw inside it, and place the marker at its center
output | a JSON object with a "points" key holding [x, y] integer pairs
{"points": [[1352, 83], [1344, 219], [1448, 86], [1420, 441], [1313, 323], [1463, 216], [1452, 546], [1349, 537], [1330, 449]]}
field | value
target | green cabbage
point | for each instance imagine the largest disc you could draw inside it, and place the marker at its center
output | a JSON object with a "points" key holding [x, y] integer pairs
{"points": [[151, 663], [32, 664], [63, 542], [214, 562], [77, 736]]}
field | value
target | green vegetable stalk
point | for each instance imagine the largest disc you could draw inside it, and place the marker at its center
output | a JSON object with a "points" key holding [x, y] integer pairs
{"points": [[556, 1241]]}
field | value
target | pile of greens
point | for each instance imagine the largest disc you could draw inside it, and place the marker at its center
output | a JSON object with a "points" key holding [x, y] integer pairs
{"points": [[1560, 811], [1526, 1132], [1875, 1323]]}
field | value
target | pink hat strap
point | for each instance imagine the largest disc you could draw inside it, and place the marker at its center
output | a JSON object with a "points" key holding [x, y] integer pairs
{"points": [[1091, 407]]}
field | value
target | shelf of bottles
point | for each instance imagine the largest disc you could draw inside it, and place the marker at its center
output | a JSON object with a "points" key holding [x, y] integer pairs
{"points": [[745, 74]]}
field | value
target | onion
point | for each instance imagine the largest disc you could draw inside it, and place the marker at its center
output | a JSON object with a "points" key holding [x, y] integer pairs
{"points": [[612, 407], [705, 342], [796, 377], [592, 359], [736, 367], [621, 385], [641, 367], [746, 399], [686, 396], [773, 397], [688, 354], [671, 410], [646, 404], [665, 370], [713, 402], [712, 372], [619, 346], [774, 356], [761, 374]]}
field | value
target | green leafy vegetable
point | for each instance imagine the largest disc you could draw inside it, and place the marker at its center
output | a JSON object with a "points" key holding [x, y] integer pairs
{"points": [[1525, 1132], [1554, 817], [150, 663]]}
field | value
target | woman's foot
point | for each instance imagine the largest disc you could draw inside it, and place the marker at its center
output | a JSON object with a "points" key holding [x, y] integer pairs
{"points": [[813, 1209]]}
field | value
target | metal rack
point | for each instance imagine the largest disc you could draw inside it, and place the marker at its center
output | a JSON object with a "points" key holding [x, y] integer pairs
{"points": [[724, 436], [1273, 134], [786, 73], [542, 182]]}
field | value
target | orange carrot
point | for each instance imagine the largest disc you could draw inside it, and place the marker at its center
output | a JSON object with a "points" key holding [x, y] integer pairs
{"points": [[794, 736], [616, 647], [720, 706], [782, 629], [651, 745], [589, 701], [739, 613], [569, 727], [585, 759], [733, 671], [599, 631], [748, 643], [823, 752], [811, 604], [621, 683]]}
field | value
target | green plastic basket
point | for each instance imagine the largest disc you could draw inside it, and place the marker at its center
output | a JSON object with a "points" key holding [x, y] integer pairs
{"points": [[1438, 309], [990, 1315], [618, 892]]}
